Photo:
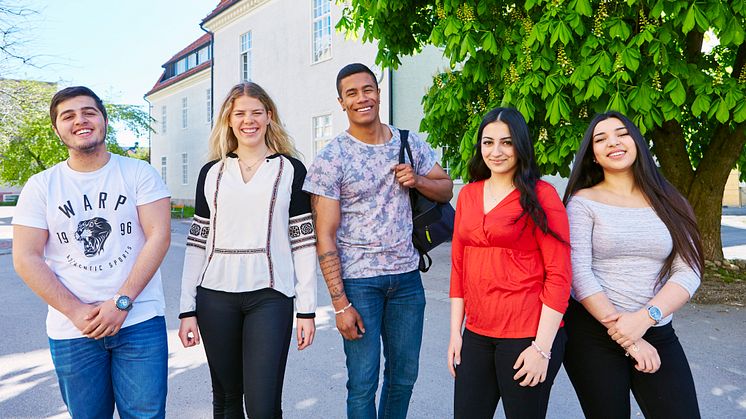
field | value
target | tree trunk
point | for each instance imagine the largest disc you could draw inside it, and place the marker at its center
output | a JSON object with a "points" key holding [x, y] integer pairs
{"points": [[703, 187], [706, 198]]}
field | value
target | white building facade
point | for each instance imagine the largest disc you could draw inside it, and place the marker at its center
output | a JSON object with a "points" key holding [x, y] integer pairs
{"points": [[292, 50], [181, 106]]}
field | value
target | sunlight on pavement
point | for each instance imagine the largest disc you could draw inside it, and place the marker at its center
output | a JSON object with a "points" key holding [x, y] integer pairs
{"points": [[21, 372]]}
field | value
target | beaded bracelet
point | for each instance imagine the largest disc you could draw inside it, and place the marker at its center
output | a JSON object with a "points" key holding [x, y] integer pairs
{"points": [[546, 355], [343, 310]]}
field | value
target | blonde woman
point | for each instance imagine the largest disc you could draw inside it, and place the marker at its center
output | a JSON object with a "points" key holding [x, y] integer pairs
{"points": [[250, 250]]}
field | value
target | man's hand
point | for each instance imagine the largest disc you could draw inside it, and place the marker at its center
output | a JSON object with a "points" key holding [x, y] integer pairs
{"points": [[189, 332], [405, 175], [82, 314], [350, 324], [105, 320]]}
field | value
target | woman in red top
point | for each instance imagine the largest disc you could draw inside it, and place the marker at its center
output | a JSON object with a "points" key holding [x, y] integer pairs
{"points": [[510, 277]]}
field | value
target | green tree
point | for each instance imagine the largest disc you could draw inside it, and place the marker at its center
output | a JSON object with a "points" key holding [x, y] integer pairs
{"points": [[560, 62], [28, 144]]}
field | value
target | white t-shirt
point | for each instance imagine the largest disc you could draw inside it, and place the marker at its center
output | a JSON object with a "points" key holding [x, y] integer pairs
{"points": [[94, 232]]}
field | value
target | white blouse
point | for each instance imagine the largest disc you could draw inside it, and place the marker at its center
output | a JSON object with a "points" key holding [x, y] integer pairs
{"points": [[254, 235]]}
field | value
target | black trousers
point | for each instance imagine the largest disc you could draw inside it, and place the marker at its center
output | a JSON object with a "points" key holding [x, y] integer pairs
{"points": [[486, 375], [603, 376], [246, 337]]}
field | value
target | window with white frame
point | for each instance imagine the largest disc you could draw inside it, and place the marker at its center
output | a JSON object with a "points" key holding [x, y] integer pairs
{"points": [[245, 57], [322, 30], [184, 169], [163, 119], [181, 66], [322, 132], [208, 107], [203, 55], [164, 164], [184, 113], [191, 61]]}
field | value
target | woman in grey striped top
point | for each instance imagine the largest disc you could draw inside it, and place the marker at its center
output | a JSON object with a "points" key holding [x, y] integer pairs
{"points": [[637, 258]]}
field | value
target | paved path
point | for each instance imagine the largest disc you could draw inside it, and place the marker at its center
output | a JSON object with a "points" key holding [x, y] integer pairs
{"points": [[712, 336]]}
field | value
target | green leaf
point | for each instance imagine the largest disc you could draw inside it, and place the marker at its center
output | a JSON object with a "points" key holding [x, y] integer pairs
{"points": [[583, 7], [488, 43], [631, 58], [701, 105], [675, 89], [739, 114], [689, 21], [722, 114], [617, 103], [657, 9], [702, 22], [596, 87]]}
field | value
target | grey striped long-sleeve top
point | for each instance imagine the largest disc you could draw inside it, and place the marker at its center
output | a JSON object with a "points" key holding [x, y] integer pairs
{"points": [[619, 251]]}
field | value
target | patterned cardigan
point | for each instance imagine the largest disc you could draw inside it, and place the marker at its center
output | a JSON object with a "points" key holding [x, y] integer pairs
{"points": [[250, 236]]}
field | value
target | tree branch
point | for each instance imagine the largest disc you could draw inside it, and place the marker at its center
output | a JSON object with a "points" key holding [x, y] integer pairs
{"points": [[693, 46], [670, 149], [724, 146]]}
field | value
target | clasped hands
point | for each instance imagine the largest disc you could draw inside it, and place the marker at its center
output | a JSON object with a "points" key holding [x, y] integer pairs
{"points": [[627, 329], [98, 320]]}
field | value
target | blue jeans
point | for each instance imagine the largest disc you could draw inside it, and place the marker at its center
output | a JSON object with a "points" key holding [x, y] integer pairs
{"points": [[129, 369], [393, 310]]}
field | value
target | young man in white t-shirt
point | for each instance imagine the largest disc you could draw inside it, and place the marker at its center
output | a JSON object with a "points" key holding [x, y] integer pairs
{"points": [[88, 237]]}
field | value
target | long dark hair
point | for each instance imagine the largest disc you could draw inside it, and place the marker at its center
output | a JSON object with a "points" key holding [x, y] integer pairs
{"points": [[670, 206], [527, 172]]}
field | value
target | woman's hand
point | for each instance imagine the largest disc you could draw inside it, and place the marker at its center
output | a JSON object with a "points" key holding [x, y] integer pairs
{"points": [[305, 331], [646, 356], [533, 367], [189, 332], [454, 353], [629, 327]]}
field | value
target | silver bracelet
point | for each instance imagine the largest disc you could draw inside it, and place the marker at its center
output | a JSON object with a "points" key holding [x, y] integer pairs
{"points": [[545, 355], [343, 309]]}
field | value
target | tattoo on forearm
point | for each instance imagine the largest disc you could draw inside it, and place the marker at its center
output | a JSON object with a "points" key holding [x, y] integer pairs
{"points": [[332, 270]]}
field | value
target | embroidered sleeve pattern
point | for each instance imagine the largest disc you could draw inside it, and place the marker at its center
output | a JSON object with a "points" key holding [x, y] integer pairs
{"points": [[198, 232], [301, 232]]}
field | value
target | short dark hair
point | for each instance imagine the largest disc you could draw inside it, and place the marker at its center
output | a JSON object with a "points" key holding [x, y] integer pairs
{"points": [[69, 93], [351, 69]]}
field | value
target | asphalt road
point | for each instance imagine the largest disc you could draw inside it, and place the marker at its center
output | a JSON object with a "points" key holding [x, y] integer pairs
{"points": [[712, 337]]}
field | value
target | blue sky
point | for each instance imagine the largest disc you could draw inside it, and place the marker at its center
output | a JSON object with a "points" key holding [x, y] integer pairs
{"points": [[114, 47]]}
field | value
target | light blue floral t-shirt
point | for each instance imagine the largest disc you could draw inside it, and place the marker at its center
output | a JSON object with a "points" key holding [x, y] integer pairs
{"points": [[375, 231]]}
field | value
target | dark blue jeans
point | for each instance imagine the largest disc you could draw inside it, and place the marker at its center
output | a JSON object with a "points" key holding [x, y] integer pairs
{"points": [[129, 369], [393, 310]]}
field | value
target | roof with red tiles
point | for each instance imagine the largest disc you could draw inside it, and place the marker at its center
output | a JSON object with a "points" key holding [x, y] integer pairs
{"points": [[194, 46], [224, 4], [202, 41], [162, 84]]}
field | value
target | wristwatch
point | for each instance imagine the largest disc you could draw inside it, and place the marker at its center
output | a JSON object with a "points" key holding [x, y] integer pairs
{"points": [[123, 302], [655, 314]]}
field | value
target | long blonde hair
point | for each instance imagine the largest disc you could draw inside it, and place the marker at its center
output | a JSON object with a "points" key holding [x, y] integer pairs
{"points": [[222, 139]]}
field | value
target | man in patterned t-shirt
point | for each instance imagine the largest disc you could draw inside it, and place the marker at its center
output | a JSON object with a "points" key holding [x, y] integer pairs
{"points": [[360, 200]]}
